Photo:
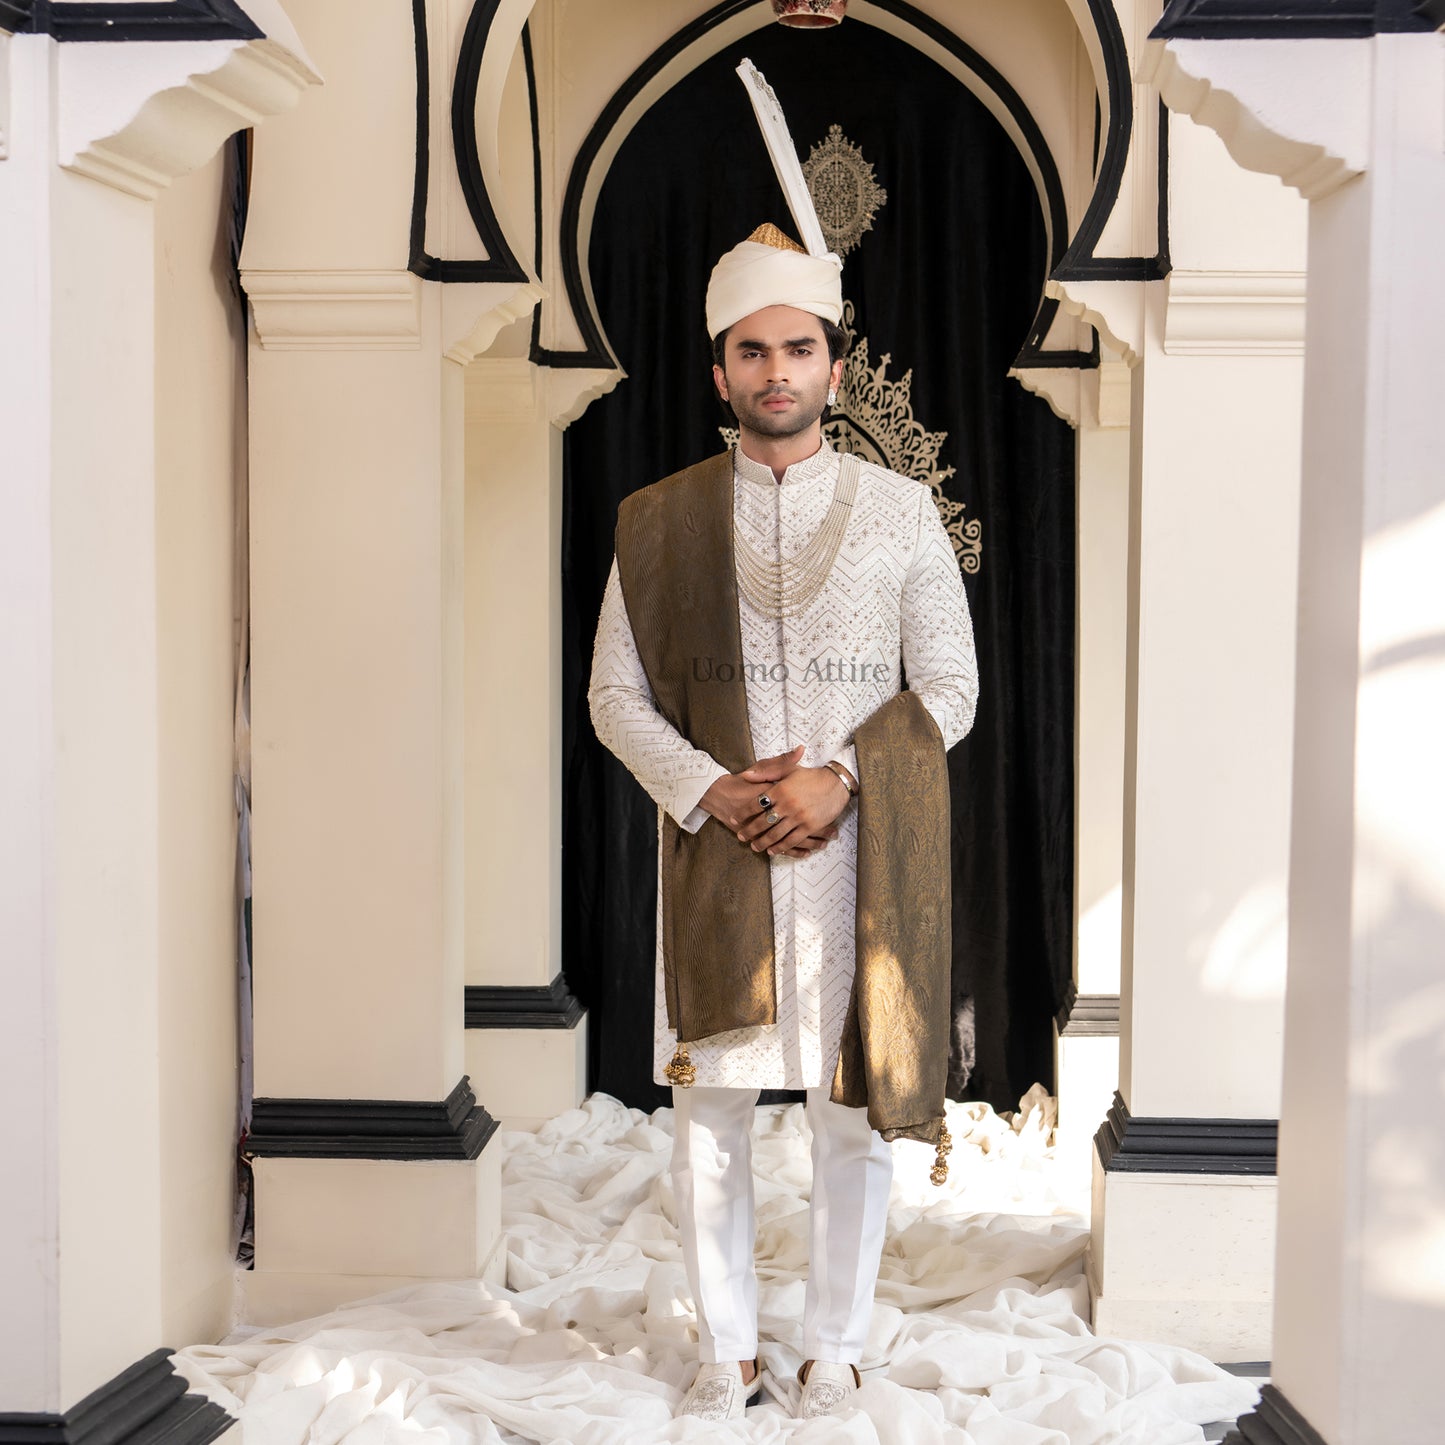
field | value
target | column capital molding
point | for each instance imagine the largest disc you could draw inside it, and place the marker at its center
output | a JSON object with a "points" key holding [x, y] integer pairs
{"points": [[1296, 109], [137, 116], [1113, 394], [335, 310], [1115, 309], [1235, 313], [475, 312], [1061, 386], [1096, 398], [503, 389], [518, 389], [572, 389]]}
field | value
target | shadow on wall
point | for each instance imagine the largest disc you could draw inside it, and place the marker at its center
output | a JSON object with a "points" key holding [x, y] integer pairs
{"points": [[1399, 914]]}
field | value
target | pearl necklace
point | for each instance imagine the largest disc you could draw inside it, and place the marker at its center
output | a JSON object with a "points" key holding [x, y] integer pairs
{"points": [[781, 588]]}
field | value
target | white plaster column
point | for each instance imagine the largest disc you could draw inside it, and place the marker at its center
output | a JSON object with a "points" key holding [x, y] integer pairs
{"points": [[1185, 1254], [1184, 1194], [372, 1164], [81, 875], [1360, 1322], [1088, 1044], [356, 736], [526, 1040], [1360, 1302], [90, 136]]}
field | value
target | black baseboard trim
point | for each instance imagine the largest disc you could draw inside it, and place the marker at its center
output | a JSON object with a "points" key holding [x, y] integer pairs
{"points": [[147, 1404], [1090, 1015], [456, 1128], [1274, 1422], [1292, 19], [497, 1006], [1130, 1145]]}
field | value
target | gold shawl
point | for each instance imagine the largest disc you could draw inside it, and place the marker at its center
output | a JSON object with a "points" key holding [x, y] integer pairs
{"points": [[675, 564]]}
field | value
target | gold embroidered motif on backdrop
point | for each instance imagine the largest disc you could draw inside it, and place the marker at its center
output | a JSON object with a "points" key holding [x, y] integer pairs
{"points": [[844, 191]]}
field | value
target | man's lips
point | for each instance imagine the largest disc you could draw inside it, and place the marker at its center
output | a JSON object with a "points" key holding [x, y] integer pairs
{"points": [[777, 401]]}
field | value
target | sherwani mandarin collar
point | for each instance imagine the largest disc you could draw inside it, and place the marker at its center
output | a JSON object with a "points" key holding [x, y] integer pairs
{"points": [[822, 463]]}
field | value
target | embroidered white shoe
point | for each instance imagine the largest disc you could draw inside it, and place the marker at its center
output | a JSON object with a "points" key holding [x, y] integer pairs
{"points": [[828, 1389], [718, 1392]]}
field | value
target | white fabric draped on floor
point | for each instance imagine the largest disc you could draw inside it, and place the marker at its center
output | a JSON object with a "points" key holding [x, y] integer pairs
{"points": [[979, 1333]]}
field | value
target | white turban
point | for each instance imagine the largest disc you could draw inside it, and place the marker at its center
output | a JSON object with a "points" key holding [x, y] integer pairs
{"points": [[770, 268], [756, 274]]}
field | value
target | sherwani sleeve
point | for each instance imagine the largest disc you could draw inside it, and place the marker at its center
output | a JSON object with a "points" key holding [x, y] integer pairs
{"points": [[624, 713], [937, 631]]}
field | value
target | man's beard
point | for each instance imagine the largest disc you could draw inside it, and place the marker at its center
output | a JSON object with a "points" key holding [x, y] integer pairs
{"points": [[807, 408]]}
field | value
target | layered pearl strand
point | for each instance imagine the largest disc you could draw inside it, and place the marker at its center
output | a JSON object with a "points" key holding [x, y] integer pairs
{"points": [[781, 588]]}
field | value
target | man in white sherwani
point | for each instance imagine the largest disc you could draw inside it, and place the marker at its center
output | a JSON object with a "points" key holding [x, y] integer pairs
{"points": [[844, 576]]}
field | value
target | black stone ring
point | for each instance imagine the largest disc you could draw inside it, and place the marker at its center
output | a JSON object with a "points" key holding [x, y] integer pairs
{"points": [[764, 802]]}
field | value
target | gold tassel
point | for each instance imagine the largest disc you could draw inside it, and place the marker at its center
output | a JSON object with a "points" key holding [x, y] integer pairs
{"points": [[939, 1173], [681, 1071]]}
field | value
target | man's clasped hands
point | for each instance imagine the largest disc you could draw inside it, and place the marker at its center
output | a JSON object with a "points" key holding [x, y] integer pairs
{"points": [[806, 801]]}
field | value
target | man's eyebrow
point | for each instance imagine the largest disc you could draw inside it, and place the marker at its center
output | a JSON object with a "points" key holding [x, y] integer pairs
{"points": [[744, 344]]}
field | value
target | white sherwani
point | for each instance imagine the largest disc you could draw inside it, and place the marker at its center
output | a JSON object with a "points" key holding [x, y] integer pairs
{"points": [[894, 593]]}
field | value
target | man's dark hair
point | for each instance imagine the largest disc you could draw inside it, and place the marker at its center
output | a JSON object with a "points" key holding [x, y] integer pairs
{"points": [[835, 337]]}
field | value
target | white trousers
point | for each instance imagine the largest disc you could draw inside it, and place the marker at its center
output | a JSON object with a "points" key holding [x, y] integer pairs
{"points": [[712, 1178]]}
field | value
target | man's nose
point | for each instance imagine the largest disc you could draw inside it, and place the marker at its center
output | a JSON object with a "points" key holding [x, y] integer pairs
{"points": [[778, 371]]}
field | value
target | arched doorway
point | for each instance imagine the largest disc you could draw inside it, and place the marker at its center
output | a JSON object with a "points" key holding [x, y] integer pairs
{"points": [[943, 273]]}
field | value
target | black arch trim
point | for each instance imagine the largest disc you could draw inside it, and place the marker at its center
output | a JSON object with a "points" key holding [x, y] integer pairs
{"points": [[501, 264], [418, 260], [142, 20], [537, 232], [595, 352], [1080, 263], [1032, 353], [1295, 19]]}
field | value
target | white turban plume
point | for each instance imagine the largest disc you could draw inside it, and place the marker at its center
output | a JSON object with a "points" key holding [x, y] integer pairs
{"points": [[769, 270]]}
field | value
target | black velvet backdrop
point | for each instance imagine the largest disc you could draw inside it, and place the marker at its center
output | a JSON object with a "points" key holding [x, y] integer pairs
{"points": [[946, 284]]}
